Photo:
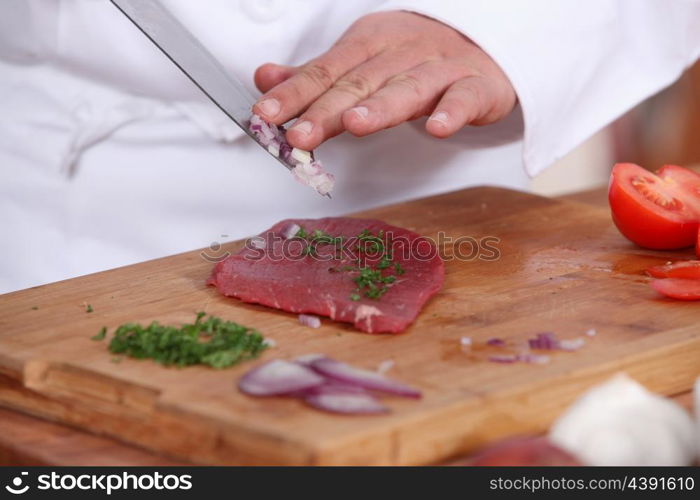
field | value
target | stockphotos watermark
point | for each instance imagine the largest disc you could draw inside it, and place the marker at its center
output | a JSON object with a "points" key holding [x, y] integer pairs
{"points": [[276, 247], [95, 481]]}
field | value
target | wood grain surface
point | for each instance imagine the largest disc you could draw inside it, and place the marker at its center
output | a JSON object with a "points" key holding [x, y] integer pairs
{"points": [[563, 267]]}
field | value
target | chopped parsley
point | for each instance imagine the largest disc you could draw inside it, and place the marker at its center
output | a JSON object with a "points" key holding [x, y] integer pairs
{"points": [[208, 341], [88, 308], [372, 282], [101, 334]]}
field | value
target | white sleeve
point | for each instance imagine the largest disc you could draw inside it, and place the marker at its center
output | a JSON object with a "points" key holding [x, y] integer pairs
{"points": [[575, 65]]}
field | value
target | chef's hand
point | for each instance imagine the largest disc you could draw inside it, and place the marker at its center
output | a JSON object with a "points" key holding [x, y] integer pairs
{"points": [[388, 68]]}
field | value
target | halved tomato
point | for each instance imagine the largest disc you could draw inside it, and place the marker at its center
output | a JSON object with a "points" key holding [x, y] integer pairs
{"points": [[678, 288], [685, 180], [688, 269], [651, 211]]}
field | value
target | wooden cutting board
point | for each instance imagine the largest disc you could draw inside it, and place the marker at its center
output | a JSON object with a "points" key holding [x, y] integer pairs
{"points": [[563, 267]]}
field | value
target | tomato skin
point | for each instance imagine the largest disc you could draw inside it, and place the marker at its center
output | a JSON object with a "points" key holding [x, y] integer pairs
{"points": [[697, 245], [687, 269], [644, 222], [678, 288]]}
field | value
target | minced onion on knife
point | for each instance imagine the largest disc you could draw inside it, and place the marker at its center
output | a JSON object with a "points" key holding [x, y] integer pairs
{"points": [[306, 168]]}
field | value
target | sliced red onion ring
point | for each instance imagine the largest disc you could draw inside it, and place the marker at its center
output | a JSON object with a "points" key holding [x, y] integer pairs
{"points": [[279, 377], [363, 378], [307, 359], [310, 320], [339, 399]]}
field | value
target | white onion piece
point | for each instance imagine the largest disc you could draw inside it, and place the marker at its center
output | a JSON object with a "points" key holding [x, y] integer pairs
{"points": [[339, 399], [620, 423], [591, 332], [301, 156], [385, 366], [278, 377], [290, 231], [310, 320], [572, 344], [258, 242], [363, 378], [274, 149]]}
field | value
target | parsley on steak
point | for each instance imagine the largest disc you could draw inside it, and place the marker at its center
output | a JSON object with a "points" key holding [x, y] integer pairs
{"points": [[371, 282]]}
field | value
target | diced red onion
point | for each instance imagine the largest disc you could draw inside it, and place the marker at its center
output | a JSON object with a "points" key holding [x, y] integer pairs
{"points": [[503, 358], [536, 359], [310, 320], [549, 341], [591, 332], [279, 377], [495, 341], [524, 358], [305, 168], [363, 378], [465, 341]]}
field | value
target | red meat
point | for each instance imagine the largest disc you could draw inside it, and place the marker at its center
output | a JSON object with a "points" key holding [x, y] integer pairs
{"points": [[285, 276]]}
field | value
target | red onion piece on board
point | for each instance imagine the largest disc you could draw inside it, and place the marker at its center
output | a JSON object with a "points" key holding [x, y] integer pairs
{"points": [[279, 377], [347, 400], [310, 320], [496, 341], [363, 378]]}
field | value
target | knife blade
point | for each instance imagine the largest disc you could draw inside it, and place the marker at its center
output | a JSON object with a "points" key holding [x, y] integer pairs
{"points": [[194, 60]]}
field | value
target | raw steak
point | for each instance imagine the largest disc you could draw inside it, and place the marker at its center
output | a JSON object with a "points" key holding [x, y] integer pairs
{"points": [[274, 270]]}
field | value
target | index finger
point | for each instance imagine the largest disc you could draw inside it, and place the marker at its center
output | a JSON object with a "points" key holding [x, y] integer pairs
{"points": [[294, 95]]}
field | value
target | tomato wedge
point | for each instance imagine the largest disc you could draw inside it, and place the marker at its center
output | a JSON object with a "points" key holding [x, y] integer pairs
{"points": [[653, 212], [678, 288], [687, 269]]}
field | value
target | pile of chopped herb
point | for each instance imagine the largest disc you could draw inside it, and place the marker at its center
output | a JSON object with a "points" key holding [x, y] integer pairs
{"points": [[371, 282], [208, 341]]}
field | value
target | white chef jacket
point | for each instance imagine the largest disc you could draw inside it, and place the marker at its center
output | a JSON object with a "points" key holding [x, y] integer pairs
{"points": [[110, 156]]}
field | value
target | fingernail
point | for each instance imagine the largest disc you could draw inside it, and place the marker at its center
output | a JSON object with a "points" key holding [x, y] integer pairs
{"points": [[440, 117], [304, 127], [269, 107], [362, 111]]}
